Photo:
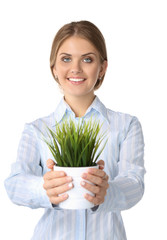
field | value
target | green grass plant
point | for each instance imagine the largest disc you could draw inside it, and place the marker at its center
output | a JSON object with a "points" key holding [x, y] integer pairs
{"points": [[75, 145]]}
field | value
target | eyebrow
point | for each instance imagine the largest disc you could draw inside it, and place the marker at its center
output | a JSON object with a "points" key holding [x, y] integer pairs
{"points": [[89, 53]]}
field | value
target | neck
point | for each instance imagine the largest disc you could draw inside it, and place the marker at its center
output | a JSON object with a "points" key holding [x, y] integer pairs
{"points": [[79, 105]]}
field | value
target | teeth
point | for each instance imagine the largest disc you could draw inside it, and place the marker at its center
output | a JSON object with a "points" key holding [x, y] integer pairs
{"points": [[76, 79]]}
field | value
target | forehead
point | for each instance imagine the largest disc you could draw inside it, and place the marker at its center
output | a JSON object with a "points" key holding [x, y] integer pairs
{"points": [[77, 44]]}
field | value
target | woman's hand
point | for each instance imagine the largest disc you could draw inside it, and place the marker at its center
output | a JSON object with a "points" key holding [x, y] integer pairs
{"points": [[100, 179], [55, 183]]}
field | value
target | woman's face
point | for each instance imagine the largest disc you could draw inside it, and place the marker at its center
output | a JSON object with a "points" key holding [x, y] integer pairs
{"points": [[78, 67]]}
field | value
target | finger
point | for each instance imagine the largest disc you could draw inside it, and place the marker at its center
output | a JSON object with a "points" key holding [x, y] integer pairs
{"points": [[56, 182], [101, 164], [93, 179], [92, 188], [96, 172], [50, 164], [105, 177], [54, 192], [95, 200], [54, 174], [57, 200], [97, 180]]}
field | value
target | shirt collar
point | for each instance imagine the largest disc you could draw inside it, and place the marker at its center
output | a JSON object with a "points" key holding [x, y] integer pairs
{"points": [[63, 108], [98, 106]]}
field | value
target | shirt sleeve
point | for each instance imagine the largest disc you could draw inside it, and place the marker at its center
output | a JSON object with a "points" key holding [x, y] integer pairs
{"points": [[24, 186], [127, 188]]}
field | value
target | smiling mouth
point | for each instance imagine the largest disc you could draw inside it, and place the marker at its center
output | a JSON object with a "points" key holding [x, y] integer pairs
{"points": [[76, 79]]}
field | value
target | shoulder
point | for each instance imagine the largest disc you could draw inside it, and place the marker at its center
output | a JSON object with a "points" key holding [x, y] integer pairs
{"points": [[122, 122], [118, 121], [38, 126], [120, 118], [48, 120]]}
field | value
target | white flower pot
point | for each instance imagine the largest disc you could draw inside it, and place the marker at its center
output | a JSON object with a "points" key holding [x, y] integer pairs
{"points": [[76, 198]]}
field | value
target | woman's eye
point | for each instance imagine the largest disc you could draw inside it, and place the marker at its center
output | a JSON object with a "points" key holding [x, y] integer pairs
{"points": [[66, 59], [87, 60]]}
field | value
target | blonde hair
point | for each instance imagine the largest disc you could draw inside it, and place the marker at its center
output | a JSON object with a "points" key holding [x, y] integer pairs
{"points": [[86, 30]]}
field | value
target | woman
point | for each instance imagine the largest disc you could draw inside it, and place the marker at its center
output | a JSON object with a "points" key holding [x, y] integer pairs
{"points": [[78, 63]]}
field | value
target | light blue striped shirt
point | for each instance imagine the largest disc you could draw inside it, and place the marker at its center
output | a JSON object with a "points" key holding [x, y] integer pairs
{"points": [[123, 156]]}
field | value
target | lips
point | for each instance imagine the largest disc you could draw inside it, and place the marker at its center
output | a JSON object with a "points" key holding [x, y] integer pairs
{"points": [[76, 79]]}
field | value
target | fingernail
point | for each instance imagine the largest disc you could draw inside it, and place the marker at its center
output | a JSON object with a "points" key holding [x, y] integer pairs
{"points": [[83, 183], [65, 195], [84, 175], [70, 185], [69, 179], [61, 174], [86, 195], [50, 164]]}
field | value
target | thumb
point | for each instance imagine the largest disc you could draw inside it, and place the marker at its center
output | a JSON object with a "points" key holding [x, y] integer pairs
{"points": [[50, 164], [101, 164]]}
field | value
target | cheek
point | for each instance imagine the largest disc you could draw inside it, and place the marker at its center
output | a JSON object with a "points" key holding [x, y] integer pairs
{"points": [[95, 72], [62, 71]]}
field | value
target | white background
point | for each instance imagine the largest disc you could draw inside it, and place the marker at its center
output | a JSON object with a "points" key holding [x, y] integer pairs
{"points": [[136, 37]]}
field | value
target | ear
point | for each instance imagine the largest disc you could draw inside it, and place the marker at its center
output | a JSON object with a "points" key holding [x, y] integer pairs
{"points": [[54, 72], [103, 68]]}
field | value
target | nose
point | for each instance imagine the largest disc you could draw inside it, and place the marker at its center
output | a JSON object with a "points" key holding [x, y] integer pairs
{"points": [[76, 67]]}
